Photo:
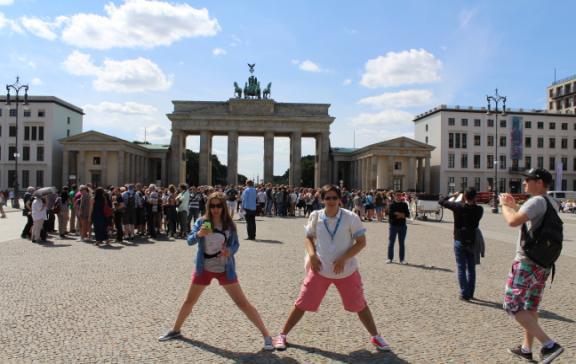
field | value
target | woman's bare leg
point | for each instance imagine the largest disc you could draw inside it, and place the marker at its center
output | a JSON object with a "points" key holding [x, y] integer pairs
{"points": [[237, 295], [194, 293]]}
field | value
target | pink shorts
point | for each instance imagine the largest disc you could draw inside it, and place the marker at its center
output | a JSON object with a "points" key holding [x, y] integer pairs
{"points": [[315, 286], [206, 277]]}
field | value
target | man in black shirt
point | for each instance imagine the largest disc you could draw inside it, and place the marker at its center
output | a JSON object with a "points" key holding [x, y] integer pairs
{"points": [[467, 217], [398, 212]]}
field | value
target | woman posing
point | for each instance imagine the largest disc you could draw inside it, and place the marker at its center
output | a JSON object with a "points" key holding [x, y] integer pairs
{"points": [[217, 240]]}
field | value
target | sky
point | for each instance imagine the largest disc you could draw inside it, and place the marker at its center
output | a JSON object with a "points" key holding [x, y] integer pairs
{"points": [[378, 63]]}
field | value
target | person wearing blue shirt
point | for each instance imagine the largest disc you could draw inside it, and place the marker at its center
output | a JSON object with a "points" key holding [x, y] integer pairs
{"points": [[249, 205]]}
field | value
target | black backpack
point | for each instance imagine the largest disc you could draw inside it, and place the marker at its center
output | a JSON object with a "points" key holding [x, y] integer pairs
{"points": [[544, 245]]}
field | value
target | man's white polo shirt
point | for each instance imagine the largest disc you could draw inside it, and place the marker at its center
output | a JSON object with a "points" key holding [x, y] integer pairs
{"points": [[333, 237]]}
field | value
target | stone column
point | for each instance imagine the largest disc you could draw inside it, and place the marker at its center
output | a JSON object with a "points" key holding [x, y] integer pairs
{"points": [[163, 180], [121, 165], [373, 171], [268, 156], [295, 175], [232, 157], [362, 174], [81, 177], [325, 159], [420, 173], [133, 168], [390, 172], [427, 176], [65, 166], [177, 174], [411, 183], [381, 172], [104, 167], [205, 172]]}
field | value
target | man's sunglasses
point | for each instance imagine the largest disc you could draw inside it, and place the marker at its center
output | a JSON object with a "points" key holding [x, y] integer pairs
{"points": [[217, 206], [331, 198]]}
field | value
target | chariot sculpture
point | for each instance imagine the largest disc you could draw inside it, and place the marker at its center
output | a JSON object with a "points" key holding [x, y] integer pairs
{"points": [[252, 89]]}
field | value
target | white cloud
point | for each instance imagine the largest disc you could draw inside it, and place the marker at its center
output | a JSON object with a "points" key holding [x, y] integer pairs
{"points": [[406, 67], [133, 24], [405, 98], [219, 52], [36, 81], [5, 22], [307, 66], [6, 2], [41, 28], [347, 82], [129, 107], [132, 75], [384, 118], [465, 17]]}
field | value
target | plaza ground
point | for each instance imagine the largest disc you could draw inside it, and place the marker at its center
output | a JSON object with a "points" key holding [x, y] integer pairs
{"points": [[71, 301]]}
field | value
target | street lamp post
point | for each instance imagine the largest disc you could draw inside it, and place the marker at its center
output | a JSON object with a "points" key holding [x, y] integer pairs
{"points": [[16, 87], [496, 100]]}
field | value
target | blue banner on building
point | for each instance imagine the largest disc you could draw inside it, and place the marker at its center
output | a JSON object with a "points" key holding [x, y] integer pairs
{"points": [[516, 138]]}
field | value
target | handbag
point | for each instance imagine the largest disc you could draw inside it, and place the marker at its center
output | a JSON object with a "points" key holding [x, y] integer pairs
{"points": [[107, 210]]}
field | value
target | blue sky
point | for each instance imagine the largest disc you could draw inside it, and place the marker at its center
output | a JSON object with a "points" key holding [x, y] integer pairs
{"points": [[377, 63]]}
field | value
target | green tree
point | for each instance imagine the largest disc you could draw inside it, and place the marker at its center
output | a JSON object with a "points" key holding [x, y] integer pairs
{"points": [[307, 164], [219, 170]]}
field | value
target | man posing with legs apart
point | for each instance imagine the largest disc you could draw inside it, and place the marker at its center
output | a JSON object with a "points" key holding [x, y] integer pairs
{"points": [[526, 280], [334, 237], [249, 206], [398, 211], [467, 217]]}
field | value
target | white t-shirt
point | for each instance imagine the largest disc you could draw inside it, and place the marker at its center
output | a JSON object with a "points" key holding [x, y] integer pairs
{"points": [[335, 241], [214, 244], [38, 210]]}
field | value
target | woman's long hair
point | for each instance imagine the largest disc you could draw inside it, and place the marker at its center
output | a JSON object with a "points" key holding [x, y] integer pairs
{"points": [[227, 222]]}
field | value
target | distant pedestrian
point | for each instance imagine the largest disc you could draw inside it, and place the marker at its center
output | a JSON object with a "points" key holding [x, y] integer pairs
{"points": [[39, 215], [100, 217], [398, 211], [467, 216], [183, 203], [3, 199], [249, 206], [527, 279], [217, 239], [27, 212]]}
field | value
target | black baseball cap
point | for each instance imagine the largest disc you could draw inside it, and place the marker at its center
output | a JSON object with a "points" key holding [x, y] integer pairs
{"points": [[539, 173]]}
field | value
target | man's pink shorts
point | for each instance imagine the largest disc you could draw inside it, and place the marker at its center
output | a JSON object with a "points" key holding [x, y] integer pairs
{"points": [[315, 286]]}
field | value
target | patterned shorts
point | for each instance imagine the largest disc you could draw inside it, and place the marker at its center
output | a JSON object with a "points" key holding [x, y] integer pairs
{"points": [[524, 287]]}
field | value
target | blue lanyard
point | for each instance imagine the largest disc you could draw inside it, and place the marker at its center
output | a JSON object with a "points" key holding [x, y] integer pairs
{"points": [[332, 233]]}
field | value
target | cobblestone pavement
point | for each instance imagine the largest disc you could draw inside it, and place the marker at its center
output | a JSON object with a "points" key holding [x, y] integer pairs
{"points": [[73, 302]]}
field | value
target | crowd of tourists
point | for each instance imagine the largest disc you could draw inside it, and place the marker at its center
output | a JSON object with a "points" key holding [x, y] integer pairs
{"points": [[334, 235]]}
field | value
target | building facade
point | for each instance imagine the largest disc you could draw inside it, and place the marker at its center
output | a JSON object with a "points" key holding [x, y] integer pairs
{"points": [[466, 140], [562, 96], [41, 123]]}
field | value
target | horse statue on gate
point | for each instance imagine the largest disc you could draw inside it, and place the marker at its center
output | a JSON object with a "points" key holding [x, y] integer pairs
{"points": [[252, 88], [267, 90], [237, 91]]}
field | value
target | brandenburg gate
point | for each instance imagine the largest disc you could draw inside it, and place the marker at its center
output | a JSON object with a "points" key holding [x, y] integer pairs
{"points": [[251, 115]]}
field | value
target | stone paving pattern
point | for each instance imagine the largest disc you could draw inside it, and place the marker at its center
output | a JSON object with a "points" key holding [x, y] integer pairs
{"points": [[73, 302]]}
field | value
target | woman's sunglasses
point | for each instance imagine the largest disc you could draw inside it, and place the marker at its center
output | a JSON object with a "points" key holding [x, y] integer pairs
{"points": [[217, 206], [331, 198]]}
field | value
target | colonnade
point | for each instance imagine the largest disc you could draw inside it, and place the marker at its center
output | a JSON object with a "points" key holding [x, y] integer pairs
{"points": [[377, 171]]}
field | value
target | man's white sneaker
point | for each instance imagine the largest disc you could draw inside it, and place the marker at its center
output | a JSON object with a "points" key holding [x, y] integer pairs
{"points": [[380, 343]]}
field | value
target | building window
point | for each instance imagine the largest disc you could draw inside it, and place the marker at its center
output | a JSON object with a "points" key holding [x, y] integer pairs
{"points": [[12, 131], [540, 142], [477, 122], [451, 185], [477, 183], [397, 184], [540, 125], [39, 178], [489, 161], [552, 163], [27, 114], [503, 141], [464, 161], [490, 123], [551, 143], [528, 142], [574, 165], [68, 134], [11, 178], [40, 154], [502, 187], [552, 125], [564, 143], [503, 123], [528, 162], [11, 152], [450, 160], [464, 122], [26, 133], [25, 178], [477, 161], [68, 120], [457, 143], [26, 153], [464, 183], [502, 162], [477, 140], [13, 112], [540, 162], [41, 113], [528, 125], [564, 161], [574, 143], [34, 129], [451, 140], [96, 162], [0, 112], [464, 138], [564, 185], [40, 133], [490, 141], [451, 121], [564, 126]]}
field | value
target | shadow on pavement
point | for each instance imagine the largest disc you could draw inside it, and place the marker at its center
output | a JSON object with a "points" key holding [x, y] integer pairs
{"points": [[269, 241], [542, 313], [50, 244], [238, 357], [110, 247], [360, 356], [429, 267]]}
